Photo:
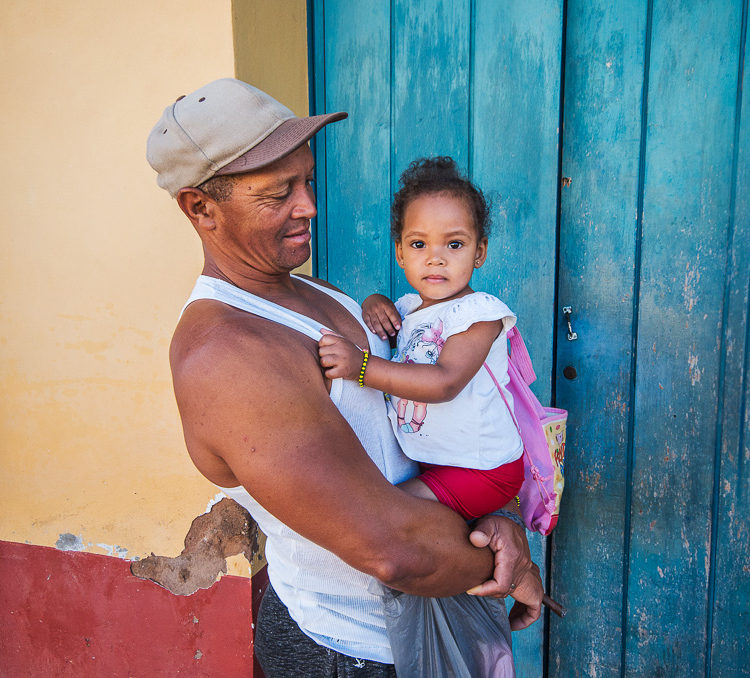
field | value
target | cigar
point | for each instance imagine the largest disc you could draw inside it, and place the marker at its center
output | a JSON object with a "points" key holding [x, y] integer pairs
{"points": [[553, 605]]}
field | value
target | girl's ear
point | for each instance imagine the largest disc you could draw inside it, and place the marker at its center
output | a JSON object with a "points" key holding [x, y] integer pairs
{"points": [[399, 253], [481, 254]]}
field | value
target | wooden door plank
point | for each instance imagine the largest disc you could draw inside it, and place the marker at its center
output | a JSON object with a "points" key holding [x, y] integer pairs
{"points": [[601, 145], [731, 576], [691, 104], [516, 104], [514, 156], [430, 87], [357, 77]]}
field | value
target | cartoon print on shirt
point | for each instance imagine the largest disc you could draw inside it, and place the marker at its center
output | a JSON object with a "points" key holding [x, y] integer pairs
{"points": [[423, 347]]}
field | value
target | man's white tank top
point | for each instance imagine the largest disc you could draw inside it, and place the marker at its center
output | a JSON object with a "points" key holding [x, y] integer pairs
{"points": [[330, 600]]}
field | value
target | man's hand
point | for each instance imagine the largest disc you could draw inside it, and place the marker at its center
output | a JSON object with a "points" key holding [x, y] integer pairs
{"points": [[381, 316], [514, 573], [339, 357]]}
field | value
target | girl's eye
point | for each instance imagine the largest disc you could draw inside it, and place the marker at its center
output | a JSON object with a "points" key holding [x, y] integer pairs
{"points": [[455, 244], [417, 244]]}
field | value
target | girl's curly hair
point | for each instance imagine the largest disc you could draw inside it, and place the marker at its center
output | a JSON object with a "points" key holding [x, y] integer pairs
{"points": [[426, 176]]}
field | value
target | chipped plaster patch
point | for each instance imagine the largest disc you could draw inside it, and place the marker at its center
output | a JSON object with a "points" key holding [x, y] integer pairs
{"points": [[69, 542], [114, 550], [226, 530]]}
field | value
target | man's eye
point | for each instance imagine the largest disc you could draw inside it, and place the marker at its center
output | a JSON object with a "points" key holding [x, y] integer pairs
{"points": [[281, 194], [455, 244]]}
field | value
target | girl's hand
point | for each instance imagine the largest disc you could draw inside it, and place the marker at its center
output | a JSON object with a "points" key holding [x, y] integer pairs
{"points": [[381, 316], [339, 357]]}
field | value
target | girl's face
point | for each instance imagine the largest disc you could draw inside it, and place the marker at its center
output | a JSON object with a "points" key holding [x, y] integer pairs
{"points": [[439, 248]]}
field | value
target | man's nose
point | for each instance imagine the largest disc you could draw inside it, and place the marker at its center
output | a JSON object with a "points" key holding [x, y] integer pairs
{"points": [[305, 207]]}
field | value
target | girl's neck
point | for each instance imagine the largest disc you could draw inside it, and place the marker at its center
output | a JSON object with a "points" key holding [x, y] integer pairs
{"points": [[427, 301]]}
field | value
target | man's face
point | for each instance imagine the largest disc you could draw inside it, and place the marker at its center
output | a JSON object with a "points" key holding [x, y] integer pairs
{"points": [[266, 222]]}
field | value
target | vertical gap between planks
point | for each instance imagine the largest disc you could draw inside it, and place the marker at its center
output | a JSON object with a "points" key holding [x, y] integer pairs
{"points": [[312, 104], [324, 86], [634, 340], [391, 177], [556, 301], [729, 274], [743, 400], [558, 207], [317, 90], [746, 362], [470, 122]]}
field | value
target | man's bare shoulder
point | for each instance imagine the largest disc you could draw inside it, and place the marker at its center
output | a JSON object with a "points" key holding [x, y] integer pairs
{"points": [[213, 339]]}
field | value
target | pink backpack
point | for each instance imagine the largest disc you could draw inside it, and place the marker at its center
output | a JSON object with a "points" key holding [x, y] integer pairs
{"points": [[542, 430]]}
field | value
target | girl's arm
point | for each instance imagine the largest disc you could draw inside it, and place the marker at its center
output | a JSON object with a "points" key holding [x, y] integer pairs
{"points": [[460, 359]]}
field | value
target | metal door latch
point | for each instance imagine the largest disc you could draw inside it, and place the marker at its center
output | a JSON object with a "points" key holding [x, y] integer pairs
{"points": [[567, 312]]}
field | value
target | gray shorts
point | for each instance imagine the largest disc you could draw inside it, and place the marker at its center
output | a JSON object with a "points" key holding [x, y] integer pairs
{"points": [[285, 652]]}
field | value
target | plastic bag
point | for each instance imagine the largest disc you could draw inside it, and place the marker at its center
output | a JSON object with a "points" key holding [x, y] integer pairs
{"points": [[460, 637]]}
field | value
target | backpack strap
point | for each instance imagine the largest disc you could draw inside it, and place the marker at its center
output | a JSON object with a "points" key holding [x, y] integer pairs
{"points": [[519, 356], [529, 465], [523, 392], [502, 395]]}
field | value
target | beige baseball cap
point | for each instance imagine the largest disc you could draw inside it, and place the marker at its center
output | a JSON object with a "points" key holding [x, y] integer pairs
{"points": [[225, 127]]}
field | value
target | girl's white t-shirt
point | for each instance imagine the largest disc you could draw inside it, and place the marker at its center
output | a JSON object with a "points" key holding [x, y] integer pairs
{"points": [[475, 429]]}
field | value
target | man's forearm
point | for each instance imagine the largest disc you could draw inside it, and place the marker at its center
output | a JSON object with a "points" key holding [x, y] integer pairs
{"points": [[434, 558]]}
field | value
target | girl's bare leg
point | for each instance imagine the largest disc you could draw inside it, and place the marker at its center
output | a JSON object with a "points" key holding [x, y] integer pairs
{"points": [[416, 488]]}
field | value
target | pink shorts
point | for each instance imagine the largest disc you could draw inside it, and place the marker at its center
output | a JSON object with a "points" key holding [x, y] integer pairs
{"points": [[473, 493]]}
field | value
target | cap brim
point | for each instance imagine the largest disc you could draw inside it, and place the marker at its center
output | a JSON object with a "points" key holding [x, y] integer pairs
{"points": [[287, 137]]}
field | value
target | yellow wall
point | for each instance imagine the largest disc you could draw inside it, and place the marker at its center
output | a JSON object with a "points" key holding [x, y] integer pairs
{"points": [[270, 41], [96, 262], [270, 52]]}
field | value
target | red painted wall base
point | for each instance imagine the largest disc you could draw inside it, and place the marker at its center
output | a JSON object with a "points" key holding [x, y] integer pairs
{"points": [[66, 613]]}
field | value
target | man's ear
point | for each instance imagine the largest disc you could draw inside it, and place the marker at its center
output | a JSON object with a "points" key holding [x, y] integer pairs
{"points": [[198, 207]]}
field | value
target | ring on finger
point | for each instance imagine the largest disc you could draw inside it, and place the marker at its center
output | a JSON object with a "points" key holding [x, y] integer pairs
{"points": [[512, 588]]}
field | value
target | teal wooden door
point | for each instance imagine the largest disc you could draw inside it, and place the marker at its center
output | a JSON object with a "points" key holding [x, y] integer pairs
{"points": [[653, 548], [612, 139]]}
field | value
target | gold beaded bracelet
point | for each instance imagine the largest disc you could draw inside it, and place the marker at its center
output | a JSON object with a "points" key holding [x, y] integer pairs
{"points": [[361, 378], [518, 501]]}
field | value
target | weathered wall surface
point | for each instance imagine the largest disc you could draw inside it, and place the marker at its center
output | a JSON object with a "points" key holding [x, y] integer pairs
{"points": [[95, 265], [270, 47]]}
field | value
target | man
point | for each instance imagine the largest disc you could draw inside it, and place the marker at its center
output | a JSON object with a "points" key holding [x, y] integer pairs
{"points": [[313, 460]]}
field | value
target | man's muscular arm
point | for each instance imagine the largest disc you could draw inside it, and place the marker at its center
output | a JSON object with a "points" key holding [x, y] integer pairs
{"points": [[255, 408]]}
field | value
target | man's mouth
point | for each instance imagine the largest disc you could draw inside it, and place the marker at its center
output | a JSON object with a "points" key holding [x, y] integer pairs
{"points": [[299, 237]]}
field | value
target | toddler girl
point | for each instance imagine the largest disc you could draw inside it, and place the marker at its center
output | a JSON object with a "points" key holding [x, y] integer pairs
{"points": [[444, 406]]}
